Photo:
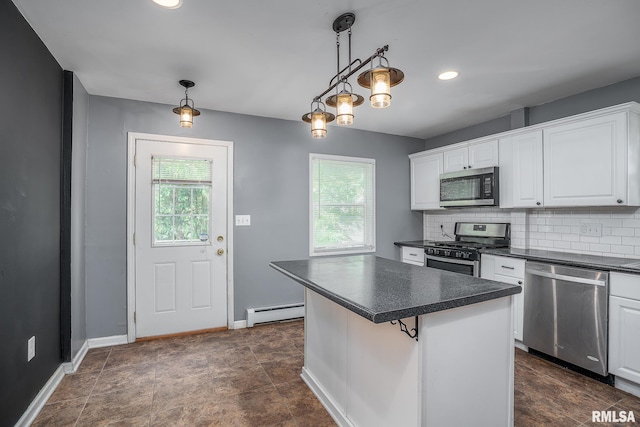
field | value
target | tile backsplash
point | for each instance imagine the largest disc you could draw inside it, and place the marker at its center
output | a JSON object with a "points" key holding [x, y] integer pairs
{"points": [[613, 231]]}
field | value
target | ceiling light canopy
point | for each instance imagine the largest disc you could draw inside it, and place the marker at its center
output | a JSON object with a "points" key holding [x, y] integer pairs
{"points": [[169, 4], [186, 109], [379, 79], [448, 75]]}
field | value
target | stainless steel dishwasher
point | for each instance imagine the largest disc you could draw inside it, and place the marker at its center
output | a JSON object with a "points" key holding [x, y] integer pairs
{"points": [[566, 312]]}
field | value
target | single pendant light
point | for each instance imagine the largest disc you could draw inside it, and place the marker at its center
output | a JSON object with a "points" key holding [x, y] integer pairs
{"points": [[380, 80], [344, 102], [186, 109], [318, 118]]}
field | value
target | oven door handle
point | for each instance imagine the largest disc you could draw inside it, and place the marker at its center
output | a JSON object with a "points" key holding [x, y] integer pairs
{"points": [[450, 260]]}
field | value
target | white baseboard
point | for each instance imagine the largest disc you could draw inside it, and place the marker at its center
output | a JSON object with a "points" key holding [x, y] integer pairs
{"points": [[324, 398], [521, 346], [239, 324], [41, 399], [107, 341], [72, 367], [628, 386]]}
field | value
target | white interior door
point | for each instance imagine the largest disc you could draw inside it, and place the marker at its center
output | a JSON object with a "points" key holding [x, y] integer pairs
{"points": [[180, 237]]}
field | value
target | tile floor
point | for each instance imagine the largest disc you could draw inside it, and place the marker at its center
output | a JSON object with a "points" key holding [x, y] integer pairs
{"points": [[251, 377]]}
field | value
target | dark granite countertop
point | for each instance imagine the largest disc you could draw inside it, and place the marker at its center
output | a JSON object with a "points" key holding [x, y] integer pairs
{"points": [[381, 290], [414, 243], [625, 265]]}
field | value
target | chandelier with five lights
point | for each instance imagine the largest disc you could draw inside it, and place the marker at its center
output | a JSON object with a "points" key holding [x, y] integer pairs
{"points": [[380, 78]]}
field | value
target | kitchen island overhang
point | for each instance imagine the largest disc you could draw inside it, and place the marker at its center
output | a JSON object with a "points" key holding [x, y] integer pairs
{"points": [[367, 372]]}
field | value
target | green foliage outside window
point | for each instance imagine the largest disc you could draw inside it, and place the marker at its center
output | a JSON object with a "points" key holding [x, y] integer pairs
{"points": [[181, 190], [342, 204]]}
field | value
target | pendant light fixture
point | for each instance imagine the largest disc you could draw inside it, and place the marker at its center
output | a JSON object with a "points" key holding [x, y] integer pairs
{"points": [[379, 79], [186, 109], [318, 118]]}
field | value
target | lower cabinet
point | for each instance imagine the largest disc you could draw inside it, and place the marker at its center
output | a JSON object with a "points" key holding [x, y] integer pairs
{"points": [[511, 271], [413, 256], [624, 326]]}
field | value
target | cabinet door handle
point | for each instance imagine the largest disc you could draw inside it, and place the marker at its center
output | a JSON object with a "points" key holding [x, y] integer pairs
{"points": [[507, 267], [519, 282], [538, 203], [469, 166], [464, 167], [410, 254], [619, 200]]}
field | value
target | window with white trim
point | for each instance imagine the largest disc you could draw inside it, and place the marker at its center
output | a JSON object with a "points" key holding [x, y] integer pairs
{"points": [[342, 205]]}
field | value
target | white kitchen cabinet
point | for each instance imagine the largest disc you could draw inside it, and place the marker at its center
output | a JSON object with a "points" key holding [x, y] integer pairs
{"points": [[414, 256], [472, 155], [624, 326], [511, 271], [592, 161], [426, 168], [521, 170]]}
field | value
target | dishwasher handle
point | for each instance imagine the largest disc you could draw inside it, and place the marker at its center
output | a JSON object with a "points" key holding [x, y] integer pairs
{"points": [[566, 278]]}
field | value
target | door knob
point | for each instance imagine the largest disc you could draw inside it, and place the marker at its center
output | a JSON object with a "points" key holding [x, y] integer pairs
{"points": [[220, 251], [220, 238]]}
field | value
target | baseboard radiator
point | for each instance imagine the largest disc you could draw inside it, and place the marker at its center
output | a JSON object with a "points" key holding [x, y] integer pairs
{"points": [[275, 313]]}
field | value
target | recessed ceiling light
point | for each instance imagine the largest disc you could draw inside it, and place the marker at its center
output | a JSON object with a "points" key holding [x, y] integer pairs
{"points": [[169, 4], [448, 75]]}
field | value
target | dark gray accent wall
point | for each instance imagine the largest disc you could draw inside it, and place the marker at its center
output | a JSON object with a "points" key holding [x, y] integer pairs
{"points": [[78, 202], [271, 183], [30, 145], [618, 93]]}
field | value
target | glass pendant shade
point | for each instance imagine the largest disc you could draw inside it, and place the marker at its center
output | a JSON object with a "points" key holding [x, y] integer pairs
{"points": [[318, 124], [380, 88], [344, 108], [186, 116]]}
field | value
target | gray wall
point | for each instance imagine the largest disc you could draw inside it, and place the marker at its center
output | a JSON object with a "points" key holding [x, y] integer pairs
{"points": [[30, 145], [271, 169], [78, 201], [618, 93]]}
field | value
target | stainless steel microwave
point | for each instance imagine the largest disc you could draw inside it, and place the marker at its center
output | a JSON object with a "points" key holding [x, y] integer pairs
{"points": [[469, 188]]}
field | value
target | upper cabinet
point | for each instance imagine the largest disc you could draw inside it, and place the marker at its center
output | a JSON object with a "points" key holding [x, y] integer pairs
{"points": [[521, 182], [474, 155], [588, 162], [426, 168], [591, 159]]}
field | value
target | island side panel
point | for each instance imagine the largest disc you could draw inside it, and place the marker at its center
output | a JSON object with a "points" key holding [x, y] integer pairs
{"points": [[382, 374], [467, 359], [325, 353], [366, 374]]}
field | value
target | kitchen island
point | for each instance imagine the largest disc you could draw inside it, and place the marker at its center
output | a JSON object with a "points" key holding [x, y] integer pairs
{"points": [[388, 343]]}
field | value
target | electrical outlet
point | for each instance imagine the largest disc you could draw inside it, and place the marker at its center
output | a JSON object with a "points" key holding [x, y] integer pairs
{"points": [[31, 348], [243, 220], [594, 230]]}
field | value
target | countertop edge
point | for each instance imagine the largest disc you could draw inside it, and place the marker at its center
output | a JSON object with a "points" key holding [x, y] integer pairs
{"points": [[504, 252], [402, 313]]}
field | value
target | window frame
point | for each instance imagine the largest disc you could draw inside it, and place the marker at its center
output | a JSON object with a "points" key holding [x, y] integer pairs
{"points": [[367, 248]]}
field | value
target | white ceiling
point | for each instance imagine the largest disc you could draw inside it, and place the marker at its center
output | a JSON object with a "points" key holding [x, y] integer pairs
{"points": [[271, 57]]}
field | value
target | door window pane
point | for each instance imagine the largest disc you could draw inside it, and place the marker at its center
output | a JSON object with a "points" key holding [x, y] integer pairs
{"points": [[181, 191]]}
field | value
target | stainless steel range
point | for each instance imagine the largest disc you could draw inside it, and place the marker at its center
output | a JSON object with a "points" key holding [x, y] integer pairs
{"points": [[462, 255]]}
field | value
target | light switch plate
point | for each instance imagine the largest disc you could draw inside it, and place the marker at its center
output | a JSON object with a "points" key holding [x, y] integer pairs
{"points": [[243, 220]]}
